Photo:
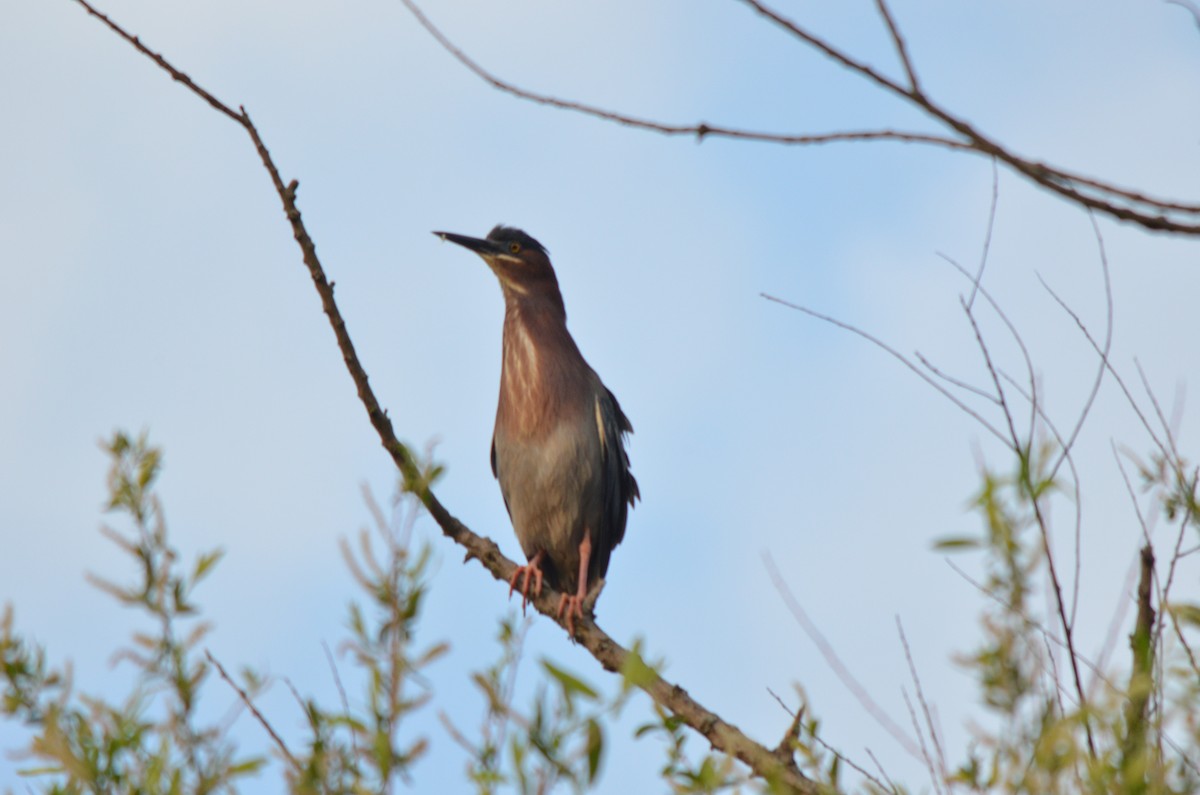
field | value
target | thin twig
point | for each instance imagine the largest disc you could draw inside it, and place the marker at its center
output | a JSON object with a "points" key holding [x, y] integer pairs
{"points": [[891, 784], [987, 237], [1075, 486], [934, 777], [901, 47], [899, 357], [835, 663], [1164, 597], [1162, 417], [1105, 350], [958, 382], [337, 680], [1039, 517], [793, 733], [929, 725], [787, 744], [1028, 621], [245, 697], [1016, 335], [1107, 363]]}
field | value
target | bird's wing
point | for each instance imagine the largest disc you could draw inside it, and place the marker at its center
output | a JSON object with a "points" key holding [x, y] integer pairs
{"points": [[496, 474], [620, 489]]}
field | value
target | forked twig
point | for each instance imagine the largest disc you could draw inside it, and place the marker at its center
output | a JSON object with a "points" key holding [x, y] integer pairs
{"points": [[1121, 203]]}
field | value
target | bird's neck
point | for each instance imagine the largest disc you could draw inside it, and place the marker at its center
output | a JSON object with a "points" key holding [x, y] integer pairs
{"points": [[542, 368]]}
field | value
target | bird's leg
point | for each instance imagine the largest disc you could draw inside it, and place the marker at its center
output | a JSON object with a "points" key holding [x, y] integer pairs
{"points": [[573, 605], [532, 568]]}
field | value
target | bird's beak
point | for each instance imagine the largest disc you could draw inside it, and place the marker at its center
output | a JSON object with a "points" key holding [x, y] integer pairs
{"points": [[484, 248]]}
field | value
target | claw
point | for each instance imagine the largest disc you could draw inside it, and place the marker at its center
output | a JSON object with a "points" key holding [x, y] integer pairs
{"points": [[573, 605], [532, 569]]}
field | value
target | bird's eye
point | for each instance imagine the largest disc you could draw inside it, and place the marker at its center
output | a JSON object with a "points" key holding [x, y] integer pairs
{"points": [[514, 248]]}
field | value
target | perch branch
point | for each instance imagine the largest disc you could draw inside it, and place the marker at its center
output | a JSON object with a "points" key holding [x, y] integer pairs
{"points": [[723, 736]]}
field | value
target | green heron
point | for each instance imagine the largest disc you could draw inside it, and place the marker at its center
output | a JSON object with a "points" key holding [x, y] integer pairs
{"points": [[558, 448]]}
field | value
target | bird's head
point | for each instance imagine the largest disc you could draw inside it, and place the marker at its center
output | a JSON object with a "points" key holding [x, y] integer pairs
{"points": [[519, 262]]}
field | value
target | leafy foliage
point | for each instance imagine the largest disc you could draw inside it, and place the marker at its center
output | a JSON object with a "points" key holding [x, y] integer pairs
{"points": [[558, 740], [1139, 737], [151, 741], [1125, 739], [359, 750]]}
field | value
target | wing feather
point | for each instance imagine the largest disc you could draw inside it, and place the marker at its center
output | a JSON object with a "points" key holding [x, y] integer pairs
{"points": [[619, 489]]}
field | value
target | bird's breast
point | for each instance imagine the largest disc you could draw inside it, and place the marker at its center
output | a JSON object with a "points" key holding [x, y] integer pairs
{"points": [[544, 383]]}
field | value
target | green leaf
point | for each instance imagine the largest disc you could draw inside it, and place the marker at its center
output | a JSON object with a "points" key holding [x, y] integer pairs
{"points": [[1185, 613], [595, 748], [634, 670], [251, 765], [956, 542], [434, 653], [570, 684], [205, 563], [646, 728]]}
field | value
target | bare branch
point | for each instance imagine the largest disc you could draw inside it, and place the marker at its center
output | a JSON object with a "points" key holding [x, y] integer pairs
{"points": [[723, 736], [1153, 211], [162, 62], [1121, 203], [699, 130]]}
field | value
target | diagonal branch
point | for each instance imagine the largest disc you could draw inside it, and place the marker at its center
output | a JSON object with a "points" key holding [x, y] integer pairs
{"points": [[1124, 204], [777, 769], [1149, 212]]}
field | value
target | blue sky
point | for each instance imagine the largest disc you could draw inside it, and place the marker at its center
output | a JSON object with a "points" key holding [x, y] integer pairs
{"points": [[151, 281]]}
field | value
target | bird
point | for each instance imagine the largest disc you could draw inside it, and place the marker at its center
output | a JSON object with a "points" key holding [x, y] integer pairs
{"points": [[559, 444]]}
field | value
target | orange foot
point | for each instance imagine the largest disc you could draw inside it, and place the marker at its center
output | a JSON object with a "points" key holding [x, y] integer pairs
{"points": [[532, 570], [573, 606]]}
